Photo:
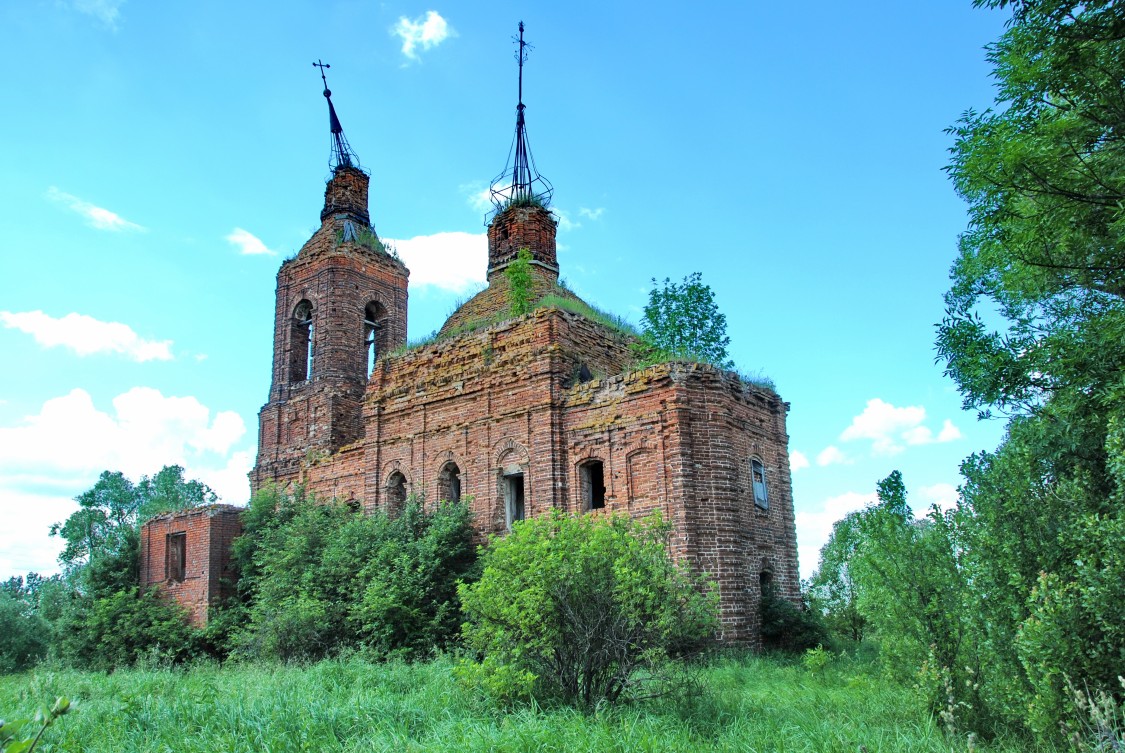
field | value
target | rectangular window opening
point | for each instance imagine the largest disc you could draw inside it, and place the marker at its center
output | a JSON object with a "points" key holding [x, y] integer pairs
{"points": [[593, 485], [513, 492], [175, 563], [758, 475]]}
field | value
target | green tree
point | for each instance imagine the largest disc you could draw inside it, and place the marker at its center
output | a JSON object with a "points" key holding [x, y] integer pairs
{"points": [[1035, 328], [682, 321], [585, 609], [832, 589], [25, 633], [99, 616], [115, 505]]}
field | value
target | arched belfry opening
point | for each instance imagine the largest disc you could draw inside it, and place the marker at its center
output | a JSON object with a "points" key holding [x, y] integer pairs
{"points": [[301, 343], [374, 334]]}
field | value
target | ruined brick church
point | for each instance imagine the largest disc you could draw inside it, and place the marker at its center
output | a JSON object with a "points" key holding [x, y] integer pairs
{"points": [[517, 415]]}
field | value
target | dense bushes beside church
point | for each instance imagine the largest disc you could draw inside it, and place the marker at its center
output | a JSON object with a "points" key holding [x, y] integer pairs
{"points": [[319, 578]]}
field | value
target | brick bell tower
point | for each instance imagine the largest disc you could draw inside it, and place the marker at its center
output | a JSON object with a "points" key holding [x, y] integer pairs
{"points": [[341, 303]]}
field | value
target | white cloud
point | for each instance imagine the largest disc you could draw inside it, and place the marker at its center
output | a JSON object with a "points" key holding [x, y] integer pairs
{"points": [[25, 545], [422, 32], [890, 427], [948, 432], [797, 461], [247, 243], [96, 216], [945, 496], [106, 11], [60, 451], [565, 223], [478, 196], [815, 526], [831, 455], [86, 335], [451, 261], [593, 214]]}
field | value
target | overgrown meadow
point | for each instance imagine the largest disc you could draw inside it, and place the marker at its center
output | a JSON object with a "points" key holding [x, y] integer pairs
{"points": [[733, 703]]}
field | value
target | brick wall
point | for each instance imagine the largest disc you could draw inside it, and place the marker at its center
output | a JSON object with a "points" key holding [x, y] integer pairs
{"points": [[677, 439], [208, 574]]}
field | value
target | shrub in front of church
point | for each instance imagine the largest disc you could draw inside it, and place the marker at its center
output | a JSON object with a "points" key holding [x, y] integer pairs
{"points": [[320, 578], [583, 610]]}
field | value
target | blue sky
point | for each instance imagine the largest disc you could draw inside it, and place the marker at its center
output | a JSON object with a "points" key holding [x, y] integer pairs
{"points": [[161, 159]]}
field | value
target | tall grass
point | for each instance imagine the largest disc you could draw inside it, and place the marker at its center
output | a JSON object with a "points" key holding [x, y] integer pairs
{"points": [[741, 704]]}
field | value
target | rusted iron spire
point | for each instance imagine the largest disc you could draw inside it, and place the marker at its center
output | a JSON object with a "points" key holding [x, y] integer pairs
{"points": [[520, 183], [342, 154]]}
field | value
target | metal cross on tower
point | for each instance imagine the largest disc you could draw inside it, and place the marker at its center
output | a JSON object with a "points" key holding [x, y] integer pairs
{"points": [[342, 154], [520, 184]]}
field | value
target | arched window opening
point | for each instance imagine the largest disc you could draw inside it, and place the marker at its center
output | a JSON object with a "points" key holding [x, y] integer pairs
{"points": [[373, 315], [513, 498], [765, 583], [301, 343], [591, 482], [758, 477], [449, 483], [396, 493]]}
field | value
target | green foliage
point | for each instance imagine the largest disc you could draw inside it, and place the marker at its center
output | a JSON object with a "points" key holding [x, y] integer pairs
{"points": [[817, 659], [683, 322], [319, 578], [832, 591], [520, 291], [115, 506], [14, 739], [787, 627], [1034, 327], [25, 634], [888, 573], [590, 607], [910, 586], [96, 614]]}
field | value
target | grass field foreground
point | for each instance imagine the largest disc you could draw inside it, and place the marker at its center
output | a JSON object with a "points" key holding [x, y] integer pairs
{"points": [[744, 704]]}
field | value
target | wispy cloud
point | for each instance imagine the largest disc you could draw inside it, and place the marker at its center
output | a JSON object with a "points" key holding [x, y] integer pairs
{"points": [[424, 32], [945, 496], [248, 244], [565, 223], [797, 461], [96, 217], [86, 335], [831, 455], [593, 214], [449, 261], [106, 11], [478, 195], [890, 428]]}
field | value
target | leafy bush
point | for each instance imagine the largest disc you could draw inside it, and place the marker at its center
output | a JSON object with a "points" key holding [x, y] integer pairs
{"points": [[786, 627], [318, 578], [590, 607]]}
